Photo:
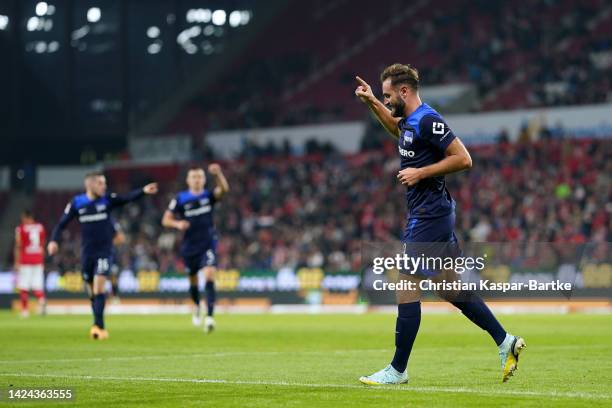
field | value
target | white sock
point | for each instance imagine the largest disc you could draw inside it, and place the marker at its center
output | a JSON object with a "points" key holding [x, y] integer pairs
{"points": [[507, 341]]}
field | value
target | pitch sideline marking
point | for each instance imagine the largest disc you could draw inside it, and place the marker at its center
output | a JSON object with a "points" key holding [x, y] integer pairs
{"points": [[457, 390], [195, 355], [250, 353]]}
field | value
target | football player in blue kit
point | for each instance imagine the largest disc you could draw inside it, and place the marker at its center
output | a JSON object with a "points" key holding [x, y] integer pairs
{"points": [[428, 151], [93, 211], [192, 211]]}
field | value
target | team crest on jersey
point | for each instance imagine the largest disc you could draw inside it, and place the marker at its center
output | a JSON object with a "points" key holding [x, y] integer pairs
{"points": [[100, 207], [204, 201], [408, 136]]}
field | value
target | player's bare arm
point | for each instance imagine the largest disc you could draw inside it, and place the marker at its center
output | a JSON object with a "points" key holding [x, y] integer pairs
{"points": [[222, 186], [170, 221], [382, 113], [457, 159]]}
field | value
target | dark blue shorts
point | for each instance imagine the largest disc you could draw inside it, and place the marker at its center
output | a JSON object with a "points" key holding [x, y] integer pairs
{"points": [[433, 238], [95, 265], [208, 257], [439, 229]]}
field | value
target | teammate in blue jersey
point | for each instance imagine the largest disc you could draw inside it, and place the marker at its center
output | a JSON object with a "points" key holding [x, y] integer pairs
{"points": [[93, 211], [192, 211], [428, 151]]}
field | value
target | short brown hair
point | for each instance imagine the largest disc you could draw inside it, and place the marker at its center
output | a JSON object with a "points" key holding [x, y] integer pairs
{"points": [[195, 167], [401, 74], [92, 174]]}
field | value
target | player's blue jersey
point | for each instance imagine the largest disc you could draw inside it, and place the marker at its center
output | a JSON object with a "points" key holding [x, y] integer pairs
{"points": [[423, 139], [198, 210], [97, 225]]}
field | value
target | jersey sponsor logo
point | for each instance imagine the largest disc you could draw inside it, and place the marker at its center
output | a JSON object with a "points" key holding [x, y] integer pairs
{"points": [[408, 137], [197, 211], [100, 207], [204, 201], [82, 210], [93, 217], [406, 152], [437, 128]]}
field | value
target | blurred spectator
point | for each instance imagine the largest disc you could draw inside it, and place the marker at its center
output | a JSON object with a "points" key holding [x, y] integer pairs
{"points": [[315, 211]]}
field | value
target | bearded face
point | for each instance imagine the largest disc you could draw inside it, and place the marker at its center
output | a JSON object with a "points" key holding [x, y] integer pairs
{"points": [[392, 99]]}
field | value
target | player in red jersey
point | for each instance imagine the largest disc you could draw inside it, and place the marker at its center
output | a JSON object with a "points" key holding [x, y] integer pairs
{"points": [[29, 261]]}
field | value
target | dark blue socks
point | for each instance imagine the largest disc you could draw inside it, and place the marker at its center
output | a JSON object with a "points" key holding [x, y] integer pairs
{"points": [[98, 309], [210, 297], [195, 294], [475, 309], [406, 328]]}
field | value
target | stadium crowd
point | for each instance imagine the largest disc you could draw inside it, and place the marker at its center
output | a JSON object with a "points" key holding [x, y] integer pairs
{"points": [[550, 52], [316, 210]]}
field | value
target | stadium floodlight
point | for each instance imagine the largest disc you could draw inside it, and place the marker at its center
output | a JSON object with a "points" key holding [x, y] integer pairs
{"points": [[40, 47], [207, 47], [218, 17], [53, 46], [245, 17], [80, 32], [206, 15], [48, 24], [195, 31], [186, 35], [154, 48], [153, 32], [199, 15], [50, 9], [191, 48], [209, 30], [94, 14], [235, 18], [32, 24], [4, 20], [41, 8], [191, 16]]}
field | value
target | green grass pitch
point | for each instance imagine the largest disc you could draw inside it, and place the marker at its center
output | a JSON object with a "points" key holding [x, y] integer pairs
{"points": [[305, 361]]}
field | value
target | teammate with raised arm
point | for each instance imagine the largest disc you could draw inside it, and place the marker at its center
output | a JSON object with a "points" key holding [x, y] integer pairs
{"points": [[192, 211], [428, 151], [93, 211]]}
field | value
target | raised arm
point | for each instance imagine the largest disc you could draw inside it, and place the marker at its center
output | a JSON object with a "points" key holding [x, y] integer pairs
{"points": [[383, 115], [117, 200], [222, 186], [67, 216]]}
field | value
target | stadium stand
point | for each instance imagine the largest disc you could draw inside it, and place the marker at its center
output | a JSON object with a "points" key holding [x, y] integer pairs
{"points": [[285, 212], [542, 54], [3, 200]]}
